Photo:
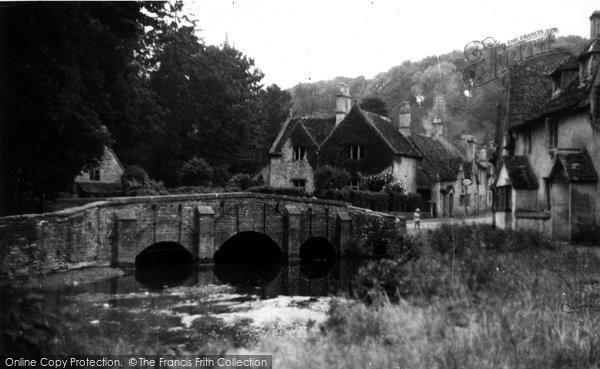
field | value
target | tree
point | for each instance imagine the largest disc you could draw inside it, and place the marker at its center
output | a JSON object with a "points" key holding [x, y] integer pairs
{"points": [[65, 77], [374, 105], [327, 177], [275, 105], [195, 172]]}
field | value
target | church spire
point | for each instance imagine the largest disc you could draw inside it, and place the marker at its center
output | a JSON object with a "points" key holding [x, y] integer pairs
{"points": [[226, 43]]}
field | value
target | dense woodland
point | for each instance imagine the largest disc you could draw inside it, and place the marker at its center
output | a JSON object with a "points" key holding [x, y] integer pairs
{"points": [[432, 85], [135, 76], [138, 77]]}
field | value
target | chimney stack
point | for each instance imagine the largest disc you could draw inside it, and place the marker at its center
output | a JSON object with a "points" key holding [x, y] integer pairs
{"points": [[437, 127], [595, 24], [482, 154], [404, 119], [343, 103], [470, 144]]}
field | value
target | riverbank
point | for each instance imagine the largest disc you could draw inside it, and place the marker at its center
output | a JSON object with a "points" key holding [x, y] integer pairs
{"points": [[464, 297], [475, 297]]}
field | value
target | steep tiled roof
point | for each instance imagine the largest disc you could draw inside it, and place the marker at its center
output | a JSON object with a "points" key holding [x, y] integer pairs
{"points": [[520, 172], [530, 91], [390, 133], [438, 160], [575, 168], [318, 127]]}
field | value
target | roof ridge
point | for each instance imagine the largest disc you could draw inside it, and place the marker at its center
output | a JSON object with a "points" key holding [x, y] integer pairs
{"points": [[281, 132], [368, 119]]}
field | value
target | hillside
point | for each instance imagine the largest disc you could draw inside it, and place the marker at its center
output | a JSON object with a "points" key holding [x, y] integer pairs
{"points": [[426, 84]]}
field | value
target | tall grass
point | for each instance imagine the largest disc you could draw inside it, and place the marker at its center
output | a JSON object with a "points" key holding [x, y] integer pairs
{"points": [[508, 301]]}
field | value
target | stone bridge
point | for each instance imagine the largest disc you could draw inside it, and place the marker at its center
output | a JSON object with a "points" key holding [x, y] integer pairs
{"points": [[118, 229]]}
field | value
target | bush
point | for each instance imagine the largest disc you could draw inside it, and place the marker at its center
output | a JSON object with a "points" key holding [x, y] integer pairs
{"points": [[376, 182], [377, 201], [327, 178], [287, 191], [195, 171], [220, 176], [241, 181], [134, 177], [150, 188]]}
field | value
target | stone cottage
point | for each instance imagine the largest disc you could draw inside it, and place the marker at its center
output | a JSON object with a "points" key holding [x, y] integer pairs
{"points": [[455, 180], [359, 141], [366, 143], [102, 180], [548, 180]]}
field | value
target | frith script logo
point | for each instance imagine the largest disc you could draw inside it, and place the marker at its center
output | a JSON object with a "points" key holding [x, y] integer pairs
{"points": [[489, 60]]}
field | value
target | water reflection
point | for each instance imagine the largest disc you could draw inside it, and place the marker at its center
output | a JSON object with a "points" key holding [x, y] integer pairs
{"points": [[299, 279], [156, 278]]}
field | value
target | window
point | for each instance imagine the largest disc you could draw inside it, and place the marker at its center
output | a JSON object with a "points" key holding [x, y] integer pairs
{"points": [[527, 142], [552, 125], [299, 153], [357, 152], [94, 174], [354, 184], [464, 199], [503, 198], [299, 183]]}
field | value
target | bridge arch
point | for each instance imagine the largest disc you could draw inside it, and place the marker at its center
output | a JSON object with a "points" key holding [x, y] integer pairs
{"points": [[249, 247], [317, 249], [164, 253]]}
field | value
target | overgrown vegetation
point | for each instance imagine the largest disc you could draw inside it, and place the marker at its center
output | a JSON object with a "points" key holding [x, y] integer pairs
{"points": [[471, 297], [466, 297]]}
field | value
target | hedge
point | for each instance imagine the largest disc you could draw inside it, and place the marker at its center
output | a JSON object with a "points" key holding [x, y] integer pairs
{"points": [[377, 201], [287, 191]]}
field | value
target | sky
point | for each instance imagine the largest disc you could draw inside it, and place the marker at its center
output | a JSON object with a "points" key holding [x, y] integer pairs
{"points": [[305, 41]]}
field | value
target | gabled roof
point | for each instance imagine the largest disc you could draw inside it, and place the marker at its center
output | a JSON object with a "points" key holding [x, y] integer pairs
{"points": [[390, 133], [574, 167], [317, 128], [384, 127], [520, 173], [439, 161], [530, 92], [115, 156]]}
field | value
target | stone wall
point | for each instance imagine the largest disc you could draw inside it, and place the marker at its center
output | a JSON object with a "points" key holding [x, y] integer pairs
{"points": [[110, 169], [116, 231], [284, 169]]}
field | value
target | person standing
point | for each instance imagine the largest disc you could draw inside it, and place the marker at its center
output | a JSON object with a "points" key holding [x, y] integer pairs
{"points": [[417, 218]]}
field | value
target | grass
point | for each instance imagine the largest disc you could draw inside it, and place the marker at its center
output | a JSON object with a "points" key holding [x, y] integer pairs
{"points": [[492, 300]]}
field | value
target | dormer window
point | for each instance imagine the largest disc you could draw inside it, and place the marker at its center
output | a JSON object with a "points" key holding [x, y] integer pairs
{"points": [[556, 83], [357, 152], [299, 153]]}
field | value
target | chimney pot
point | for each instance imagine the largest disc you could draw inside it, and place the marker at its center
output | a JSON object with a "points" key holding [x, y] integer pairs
{"points": [[437, 127], [404, 119], [343, 103], [595, 24]]}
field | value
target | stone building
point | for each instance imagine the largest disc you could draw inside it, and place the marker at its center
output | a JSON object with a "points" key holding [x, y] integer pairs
{"points": [[359, 141], [454, 179], [102, 180], [548, 180], [365, 143]]}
